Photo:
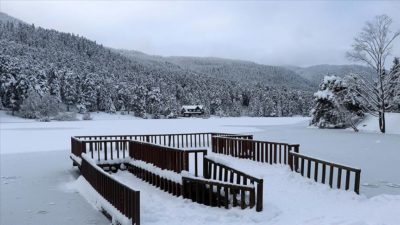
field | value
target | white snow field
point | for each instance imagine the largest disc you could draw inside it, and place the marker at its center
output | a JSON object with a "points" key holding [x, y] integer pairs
{"points": [[39, 186]]}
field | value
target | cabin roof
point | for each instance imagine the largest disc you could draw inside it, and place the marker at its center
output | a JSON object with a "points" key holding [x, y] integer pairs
{"points": [[186, 107]]}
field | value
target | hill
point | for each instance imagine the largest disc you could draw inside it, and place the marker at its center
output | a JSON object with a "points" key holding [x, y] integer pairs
{"points": [[232, 70], [315, 74], [86, 76]]}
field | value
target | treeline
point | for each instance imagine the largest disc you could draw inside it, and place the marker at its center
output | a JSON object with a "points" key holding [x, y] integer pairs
{"points": [[40, 65]]}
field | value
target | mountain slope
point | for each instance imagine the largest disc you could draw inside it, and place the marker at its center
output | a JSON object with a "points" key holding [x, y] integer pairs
{"points": [[85, 76], [231, 70], [315, 74], [4, 17]]}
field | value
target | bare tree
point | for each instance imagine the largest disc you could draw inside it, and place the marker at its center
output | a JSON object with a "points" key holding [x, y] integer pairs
{"points": [[372, 46]]}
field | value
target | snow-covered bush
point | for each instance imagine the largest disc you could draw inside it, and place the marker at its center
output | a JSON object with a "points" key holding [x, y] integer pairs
{"points": [[39, 107], [30, 107], [172, 116], [45, 119], [87, 116], [334, 106], [49, 106]]}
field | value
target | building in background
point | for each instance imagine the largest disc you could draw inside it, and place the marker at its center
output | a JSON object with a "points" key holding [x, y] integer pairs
{"points": [[192, 110]]}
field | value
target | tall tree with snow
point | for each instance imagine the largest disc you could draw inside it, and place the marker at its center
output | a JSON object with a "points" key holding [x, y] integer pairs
{"points": [[394, 93], [372, 46]]}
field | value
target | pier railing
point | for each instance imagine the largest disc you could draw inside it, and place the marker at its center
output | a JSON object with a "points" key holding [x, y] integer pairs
{"points": [[123, 198]]}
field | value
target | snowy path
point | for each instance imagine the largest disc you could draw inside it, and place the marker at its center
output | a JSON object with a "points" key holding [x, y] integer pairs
{"points": [[34, 190], [288, 199]]}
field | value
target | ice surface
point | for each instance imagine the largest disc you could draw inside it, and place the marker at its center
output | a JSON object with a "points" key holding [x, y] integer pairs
{"points": [[40, 187]]}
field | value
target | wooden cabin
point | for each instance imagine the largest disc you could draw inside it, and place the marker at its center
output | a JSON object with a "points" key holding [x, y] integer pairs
{"points": [[192, 110]]}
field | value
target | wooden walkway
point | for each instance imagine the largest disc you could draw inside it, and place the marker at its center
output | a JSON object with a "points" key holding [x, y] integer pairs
{"points": [[163, 161]]}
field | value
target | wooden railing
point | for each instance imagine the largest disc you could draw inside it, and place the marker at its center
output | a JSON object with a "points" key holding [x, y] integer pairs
{"points": [[260, 151], [218, 171], [325, 172], [283, 153], [217, 193], [122, 197], [164, 157], [76, 146], [104, 147], [184, 140], [168, 185]]}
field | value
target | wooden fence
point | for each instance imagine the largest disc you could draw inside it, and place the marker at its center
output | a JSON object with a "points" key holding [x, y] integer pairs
{"points": [[220, 185], [156, 180], [164, 157], [122, 197], [216, 193], [260, 151], [218, 171], [325, 172], [283, 153], [105, 147]]}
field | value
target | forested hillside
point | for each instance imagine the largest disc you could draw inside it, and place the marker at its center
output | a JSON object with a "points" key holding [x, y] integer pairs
{"points": [[243, 71], [232, 70], [38, 64]]}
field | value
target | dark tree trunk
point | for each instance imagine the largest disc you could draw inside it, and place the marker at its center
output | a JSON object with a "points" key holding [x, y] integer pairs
{"points": [[382, 124]]}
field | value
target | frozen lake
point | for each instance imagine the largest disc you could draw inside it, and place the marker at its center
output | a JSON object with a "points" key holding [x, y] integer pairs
{"points": [[36, 171]]}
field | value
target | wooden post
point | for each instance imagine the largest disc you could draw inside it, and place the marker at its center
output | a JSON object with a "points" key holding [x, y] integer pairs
{"points": [[259, 204], [137, 208], [290, 160], [296, 163], [357, 182]]}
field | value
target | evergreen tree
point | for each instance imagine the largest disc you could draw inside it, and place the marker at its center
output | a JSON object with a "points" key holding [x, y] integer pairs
{"points": [[68, 90], [335, 106]]}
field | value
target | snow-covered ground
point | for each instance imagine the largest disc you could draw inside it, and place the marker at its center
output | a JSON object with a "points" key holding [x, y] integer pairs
{"points": [[370, 124], [36, 188], [52, 136], [38, 184]]}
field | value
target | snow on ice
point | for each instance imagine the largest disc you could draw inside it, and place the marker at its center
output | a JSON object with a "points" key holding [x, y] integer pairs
{"points": [[43, 190]]}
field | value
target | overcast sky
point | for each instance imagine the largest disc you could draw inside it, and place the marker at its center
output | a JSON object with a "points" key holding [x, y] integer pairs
{"points": [[278, 33]]}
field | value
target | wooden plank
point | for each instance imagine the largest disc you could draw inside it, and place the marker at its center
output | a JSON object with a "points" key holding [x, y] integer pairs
{"points": [[323, 173], [339, 178], [316, 171], [226, 194], [347, 179], [308, 168], [331, 176]]}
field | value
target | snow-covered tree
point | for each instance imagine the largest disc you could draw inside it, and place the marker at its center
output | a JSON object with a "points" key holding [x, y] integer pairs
{"points": [[394, 89], [39, 107], [53, 84], [335, 107], [30, 107], [372, 46], [68, 89]]}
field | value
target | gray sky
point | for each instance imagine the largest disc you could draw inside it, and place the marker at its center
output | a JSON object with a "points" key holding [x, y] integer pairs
{"points": [[276, 33]]}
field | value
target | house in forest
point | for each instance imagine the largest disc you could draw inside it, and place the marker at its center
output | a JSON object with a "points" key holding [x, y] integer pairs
{"points": [[192, 110]]}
